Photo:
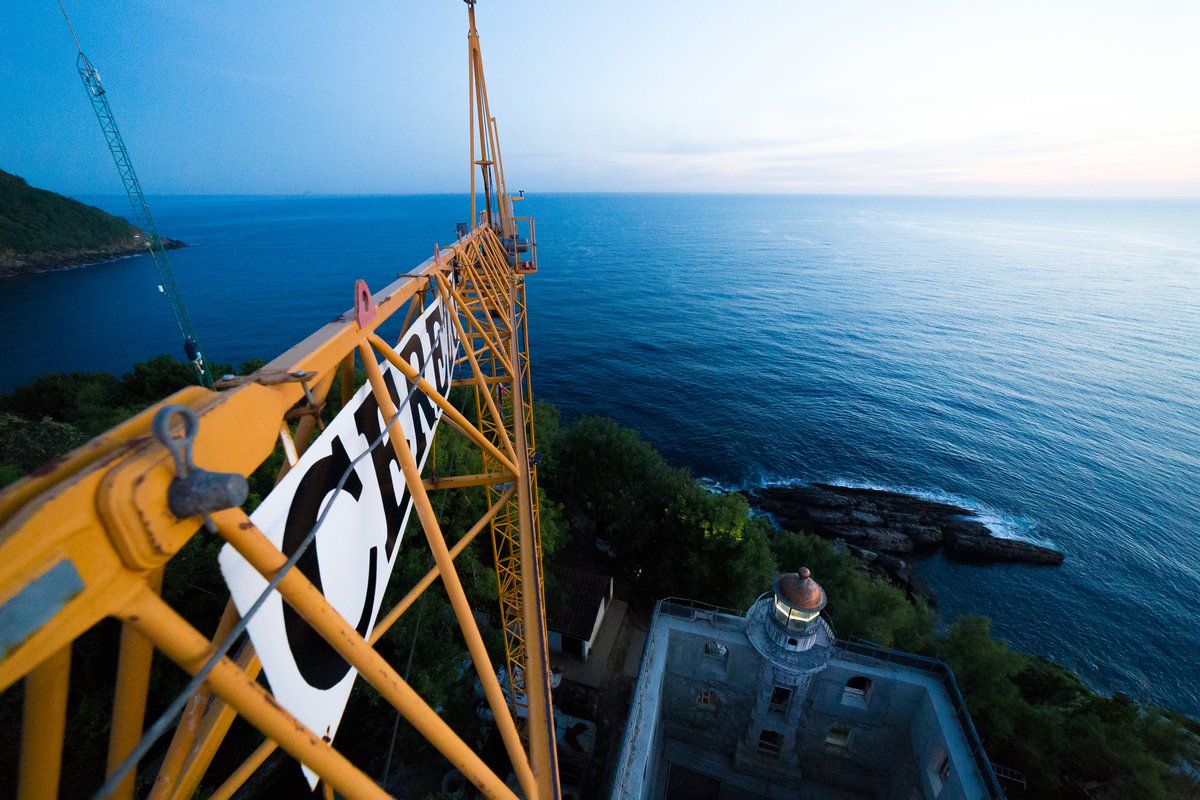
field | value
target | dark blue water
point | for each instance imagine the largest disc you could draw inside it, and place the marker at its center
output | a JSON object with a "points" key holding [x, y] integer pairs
{"points": [[1036, 359]]}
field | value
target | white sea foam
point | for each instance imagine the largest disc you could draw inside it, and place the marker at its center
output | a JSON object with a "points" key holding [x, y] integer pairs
{"points": [[718, 487]]}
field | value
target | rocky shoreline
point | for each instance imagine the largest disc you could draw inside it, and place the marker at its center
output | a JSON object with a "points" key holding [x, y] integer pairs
{"points": [[12, 264], [879, 527]]}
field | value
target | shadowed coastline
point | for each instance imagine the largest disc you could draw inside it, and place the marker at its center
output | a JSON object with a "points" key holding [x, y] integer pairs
{"points": [[894, 522], [42, 231]]}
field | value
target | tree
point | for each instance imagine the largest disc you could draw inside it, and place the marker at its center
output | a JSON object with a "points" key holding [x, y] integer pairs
{"points": [[984, 668], [859, 606], [607, 479]]}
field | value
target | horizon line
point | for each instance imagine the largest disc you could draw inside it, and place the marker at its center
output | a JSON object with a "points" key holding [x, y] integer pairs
{"points": [[664, 192]]}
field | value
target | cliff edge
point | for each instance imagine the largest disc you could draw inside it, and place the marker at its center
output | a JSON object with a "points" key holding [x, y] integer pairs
{"points": [[41, 230]]}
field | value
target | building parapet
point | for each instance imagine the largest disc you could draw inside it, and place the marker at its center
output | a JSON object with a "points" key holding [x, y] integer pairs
{"points": [[704, 612], [847, 649], [940, 670]]}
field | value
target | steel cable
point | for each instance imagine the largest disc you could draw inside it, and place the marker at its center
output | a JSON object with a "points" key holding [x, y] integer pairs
{"points": [[169, 716]]}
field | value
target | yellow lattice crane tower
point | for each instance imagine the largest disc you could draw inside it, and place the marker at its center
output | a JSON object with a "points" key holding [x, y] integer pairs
{"points": [[88, 536]]}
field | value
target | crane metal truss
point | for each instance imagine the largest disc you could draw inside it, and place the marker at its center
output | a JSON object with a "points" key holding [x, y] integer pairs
{"points": [[88, 537], [141, 211], [485, 341]]}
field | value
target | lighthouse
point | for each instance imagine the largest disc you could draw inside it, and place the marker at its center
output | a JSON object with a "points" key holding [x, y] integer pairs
{"points": [[795, 643], [795, 616]]}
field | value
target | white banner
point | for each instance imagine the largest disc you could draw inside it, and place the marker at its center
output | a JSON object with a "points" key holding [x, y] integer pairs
{"points": [[355, 549]]}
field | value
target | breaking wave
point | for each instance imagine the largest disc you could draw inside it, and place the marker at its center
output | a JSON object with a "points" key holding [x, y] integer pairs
{"points": [[1002, 523]]}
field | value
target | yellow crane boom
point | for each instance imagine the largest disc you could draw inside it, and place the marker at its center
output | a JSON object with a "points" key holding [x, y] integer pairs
{"points": [[87, 537]]}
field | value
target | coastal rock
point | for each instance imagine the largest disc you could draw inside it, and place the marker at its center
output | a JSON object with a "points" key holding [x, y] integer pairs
{"points": [[881, 539], [18, 264], [827, 516], [866, 518], [861, 553], [921, 535], [894, 570], [917, 587], [811, 496], [876, 524], [972, 546]]}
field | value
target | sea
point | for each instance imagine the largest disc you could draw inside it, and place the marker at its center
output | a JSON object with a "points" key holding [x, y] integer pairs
{"points": [[1037, 360]]}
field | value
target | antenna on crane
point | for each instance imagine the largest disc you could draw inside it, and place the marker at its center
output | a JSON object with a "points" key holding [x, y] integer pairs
{"points": [[141, 209]]}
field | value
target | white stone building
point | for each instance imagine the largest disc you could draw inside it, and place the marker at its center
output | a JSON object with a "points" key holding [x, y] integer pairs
{"points": [[769, 704]]}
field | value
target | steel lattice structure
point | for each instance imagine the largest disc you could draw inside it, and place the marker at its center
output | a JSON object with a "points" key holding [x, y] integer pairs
{"points": [[88, 537], [141, 211]]}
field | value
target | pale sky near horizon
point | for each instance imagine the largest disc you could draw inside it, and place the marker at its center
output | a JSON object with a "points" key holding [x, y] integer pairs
{"points": [[922, 97]]}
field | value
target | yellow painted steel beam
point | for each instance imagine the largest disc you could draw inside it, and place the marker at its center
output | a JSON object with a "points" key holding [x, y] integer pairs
{"points": [[43, 727], [237, 529], [505, 528], [129, 705], [218, 717], [187, 647], [458, 598], [542, 739], [185, 749], [243, 772], [461, 481], [485, 379], [491, 336], [473, 360], [452, 413]]}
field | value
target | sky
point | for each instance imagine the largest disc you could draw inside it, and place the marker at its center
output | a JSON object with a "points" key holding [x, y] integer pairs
{"points": [[856, 96]]}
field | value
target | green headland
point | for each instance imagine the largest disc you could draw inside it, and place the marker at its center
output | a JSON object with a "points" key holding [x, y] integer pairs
{"points": [[41, 230]]}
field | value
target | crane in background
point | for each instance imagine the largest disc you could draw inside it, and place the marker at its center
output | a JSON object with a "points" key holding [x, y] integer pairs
{"points": [[141, 209]]}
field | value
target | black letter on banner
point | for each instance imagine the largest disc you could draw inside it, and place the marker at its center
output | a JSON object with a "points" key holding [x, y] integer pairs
{"points": [[435, 327], [366, 418], [420, 405], [317, 661]]}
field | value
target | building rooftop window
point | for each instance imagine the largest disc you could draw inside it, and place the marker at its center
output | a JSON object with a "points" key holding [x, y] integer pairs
{"points": [[838, 737], [781, 696], [856, 692], [769, 743]]}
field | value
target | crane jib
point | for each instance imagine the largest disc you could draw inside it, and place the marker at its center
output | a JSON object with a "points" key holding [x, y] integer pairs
{"points": [[355, 551]]}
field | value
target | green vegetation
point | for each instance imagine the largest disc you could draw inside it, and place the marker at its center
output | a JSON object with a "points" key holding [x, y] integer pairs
{"points": [[39, 221], [60, 411], [1038, 717], [667, 535]]}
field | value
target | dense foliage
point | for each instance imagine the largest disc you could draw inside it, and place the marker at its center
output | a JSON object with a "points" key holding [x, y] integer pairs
{"points": [[59, 411], [665, 535], [1038, 717], [39, 221]]}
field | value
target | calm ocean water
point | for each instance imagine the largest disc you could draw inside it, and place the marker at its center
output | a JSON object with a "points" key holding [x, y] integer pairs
{"points": [[1038, 360]]}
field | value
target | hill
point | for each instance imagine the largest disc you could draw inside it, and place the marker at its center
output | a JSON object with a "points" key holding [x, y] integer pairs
{"points": [[41, 230]]}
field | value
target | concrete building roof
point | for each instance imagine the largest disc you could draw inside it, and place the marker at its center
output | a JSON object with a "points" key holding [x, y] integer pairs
{"points": [[924, 702]]}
